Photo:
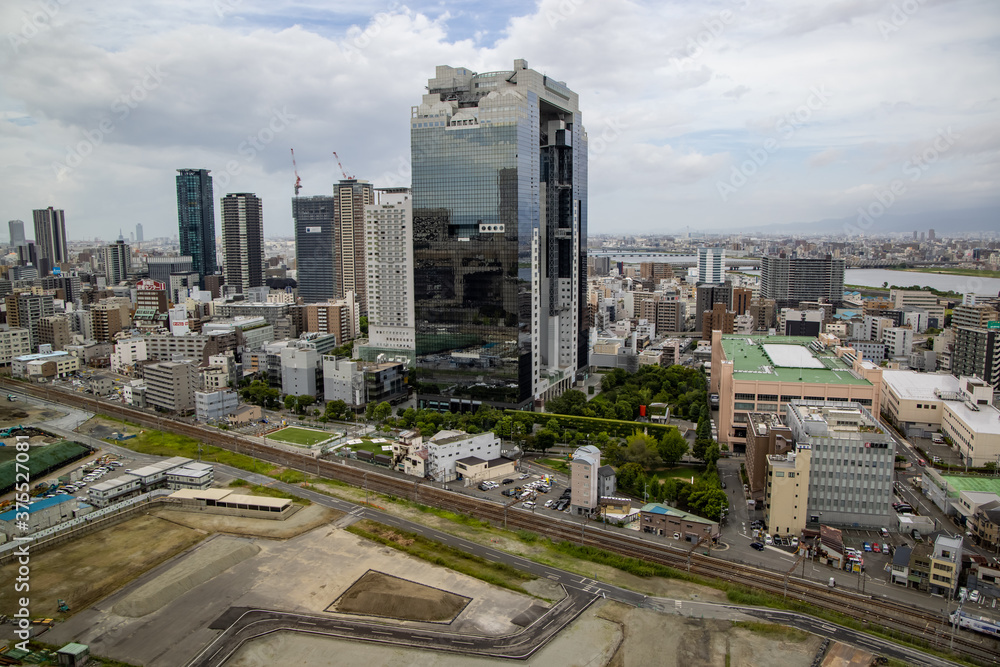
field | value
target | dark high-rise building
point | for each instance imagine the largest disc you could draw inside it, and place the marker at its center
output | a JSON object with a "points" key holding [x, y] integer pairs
{"points": [[316, 272], [50, 238], [977, 352], [196, 219], [790, 280], [16, 232], [117, 262], [243, 240], [138, 233], [350, 199], [709, 294], [160, 268], [500, 237]]}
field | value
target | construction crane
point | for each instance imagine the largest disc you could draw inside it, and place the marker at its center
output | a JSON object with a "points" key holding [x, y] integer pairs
{"points": [[298, 181], [344, 173]]}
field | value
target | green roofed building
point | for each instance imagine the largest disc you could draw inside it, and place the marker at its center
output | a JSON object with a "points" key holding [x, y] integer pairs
{"points": [[764, 373]]}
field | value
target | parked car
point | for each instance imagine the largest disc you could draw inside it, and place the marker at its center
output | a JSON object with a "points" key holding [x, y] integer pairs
{"points": [[866, 546], [757, 545], [549, 503], [876, 548], [974, 595], [768, 539], [527, 504], [507, 481], [794, 542], [885, 531], [937, 439], [885, 547]]}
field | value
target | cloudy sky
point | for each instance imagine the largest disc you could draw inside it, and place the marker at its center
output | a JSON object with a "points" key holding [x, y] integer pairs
{"points": [[729, 114]]}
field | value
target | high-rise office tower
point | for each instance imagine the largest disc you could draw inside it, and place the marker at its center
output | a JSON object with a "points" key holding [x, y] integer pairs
{"points": [[789, 280], [314, 243], [24, 310], [243, 240], [138, 233], [117, 262], [500, 236], [350, 199], [389, 266], [196, 219], [711, 265], [50, 238], [16, 232]]}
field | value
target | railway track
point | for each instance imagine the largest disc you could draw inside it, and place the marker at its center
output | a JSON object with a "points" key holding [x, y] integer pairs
{"points": [[928, 627]]}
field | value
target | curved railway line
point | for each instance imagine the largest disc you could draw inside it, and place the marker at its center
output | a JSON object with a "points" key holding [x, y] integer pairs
{"points": [[926, 626]]}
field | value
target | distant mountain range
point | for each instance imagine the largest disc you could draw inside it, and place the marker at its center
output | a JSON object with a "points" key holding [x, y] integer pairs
{"points": [[944, 223]]}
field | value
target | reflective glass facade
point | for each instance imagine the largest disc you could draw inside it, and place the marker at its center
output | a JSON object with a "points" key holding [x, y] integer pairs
{"points": [[314, 248], [196, 219], [499, 234]]}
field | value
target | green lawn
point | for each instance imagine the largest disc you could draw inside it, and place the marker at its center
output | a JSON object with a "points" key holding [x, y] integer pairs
{"points": [[987, 484], [681, 472], [369, 446], [300, 436], [559, 465]]}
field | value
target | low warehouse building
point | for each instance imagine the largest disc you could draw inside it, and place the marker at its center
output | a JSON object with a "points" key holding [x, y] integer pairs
{"points": [[224, 501]]}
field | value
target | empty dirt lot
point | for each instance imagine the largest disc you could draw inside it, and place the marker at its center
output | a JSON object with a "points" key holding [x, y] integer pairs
{"points": [[378, 594], [85, 570]]}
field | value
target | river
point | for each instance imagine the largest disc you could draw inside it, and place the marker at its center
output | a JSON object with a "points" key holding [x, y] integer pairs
{"points": [[946, 282]]}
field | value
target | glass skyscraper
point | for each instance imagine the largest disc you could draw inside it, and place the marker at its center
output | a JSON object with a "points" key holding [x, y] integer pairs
{"points": [[499, 165], [196, 219], [314, 253]]}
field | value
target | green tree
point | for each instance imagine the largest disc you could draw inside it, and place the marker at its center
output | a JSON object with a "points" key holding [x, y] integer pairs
{"points": [[545, 439], [628, 475], [708, 502], [336, 409], [700, 447], [711, 455], [290, 402], [303, 401], [672, 447], [641, 448], [382, 411], [363, 323]]}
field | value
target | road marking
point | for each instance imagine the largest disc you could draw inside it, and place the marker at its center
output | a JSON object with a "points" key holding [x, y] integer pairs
{"points": [[341, 627], [429, 639], [455, 641], [552, 577], [308, 623], [376, 632]]}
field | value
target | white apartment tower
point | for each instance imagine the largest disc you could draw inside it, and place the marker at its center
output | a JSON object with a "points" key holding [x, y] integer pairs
{"points": [[711, 265], [389, 267]]}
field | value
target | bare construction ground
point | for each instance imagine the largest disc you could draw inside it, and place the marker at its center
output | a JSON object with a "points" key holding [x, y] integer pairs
{"points": [[303, 574], [302, 521], [379, 594], [85, 570], [609, 634]]}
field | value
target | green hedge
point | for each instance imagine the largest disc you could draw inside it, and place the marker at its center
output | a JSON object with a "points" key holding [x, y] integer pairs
{"points": [[593, 425]]}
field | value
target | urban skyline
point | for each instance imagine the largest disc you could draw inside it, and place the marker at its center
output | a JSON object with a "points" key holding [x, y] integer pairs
{"points": [[800, 139]]}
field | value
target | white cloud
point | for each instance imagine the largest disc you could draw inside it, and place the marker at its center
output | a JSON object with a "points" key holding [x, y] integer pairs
{"points": [[349, 76]]}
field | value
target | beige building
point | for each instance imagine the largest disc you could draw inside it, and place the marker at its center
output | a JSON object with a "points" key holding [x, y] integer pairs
{"points": [[787, 495], [583, 479], [976, 316], [54, 330], [972, 423], [44, 366], [14, 343], [170, 385], [914, 401], [765, 373], [919, 299]]}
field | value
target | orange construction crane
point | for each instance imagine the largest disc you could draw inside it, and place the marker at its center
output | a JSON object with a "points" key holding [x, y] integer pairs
{"points": [[346, 177], [298, 181]]}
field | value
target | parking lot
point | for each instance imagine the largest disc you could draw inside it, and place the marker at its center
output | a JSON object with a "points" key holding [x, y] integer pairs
{"points": [[535, 492]]}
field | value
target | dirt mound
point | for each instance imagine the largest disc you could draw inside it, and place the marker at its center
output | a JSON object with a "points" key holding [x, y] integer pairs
{"points": [[379, 594]]}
